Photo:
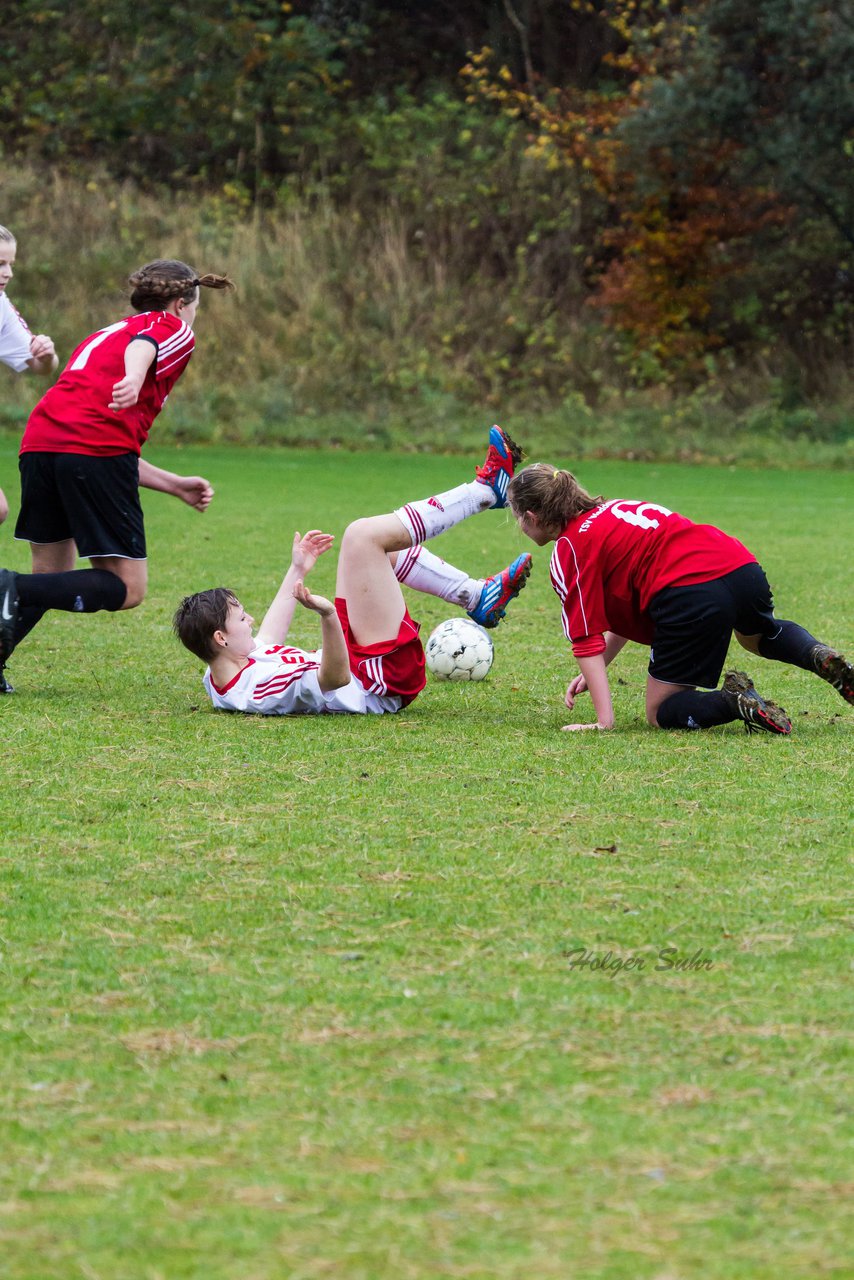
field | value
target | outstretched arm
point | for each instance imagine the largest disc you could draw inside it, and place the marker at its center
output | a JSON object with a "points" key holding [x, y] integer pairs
{"points": [[304, 556], [194, 490]]}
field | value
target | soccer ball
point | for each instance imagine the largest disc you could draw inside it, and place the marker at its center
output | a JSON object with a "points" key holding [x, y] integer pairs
{"points": [[459, 650]]}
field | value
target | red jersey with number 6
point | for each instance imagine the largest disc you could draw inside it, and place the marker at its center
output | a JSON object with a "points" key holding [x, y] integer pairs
{"points": [[609, 563], [74, 415]]}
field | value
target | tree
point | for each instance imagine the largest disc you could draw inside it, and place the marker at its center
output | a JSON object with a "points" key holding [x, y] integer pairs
{"points": [[719, 138]]}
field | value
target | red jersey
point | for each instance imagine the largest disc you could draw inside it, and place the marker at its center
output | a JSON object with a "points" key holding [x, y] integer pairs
{"points": [[609, 563], [73, 416]]}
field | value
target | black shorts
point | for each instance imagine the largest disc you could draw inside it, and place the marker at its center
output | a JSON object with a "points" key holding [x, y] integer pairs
{"points": [[694, 625], [93, 500]]}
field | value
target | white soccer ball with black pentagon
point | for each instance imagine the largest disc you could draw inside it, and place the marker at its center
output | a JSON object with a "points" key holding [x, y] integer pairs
{"points": [[459, 650]]}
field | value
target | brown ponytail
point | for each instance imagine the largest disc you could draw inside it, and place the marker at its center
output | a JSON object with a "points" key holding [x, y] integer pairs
{"points": [[554, 496], [157, 283]]}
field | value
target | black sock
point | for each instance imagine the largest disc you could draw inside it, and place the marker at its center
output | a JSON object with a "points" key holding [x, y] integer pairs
{"points": [[77, 591], [792, 644], [28, 616], [694, 710]]}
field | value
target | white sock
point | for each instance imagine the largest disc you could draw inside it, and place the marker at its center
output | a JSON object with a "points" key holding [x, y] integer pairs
{"points": [[429, 517], [424, 571]]}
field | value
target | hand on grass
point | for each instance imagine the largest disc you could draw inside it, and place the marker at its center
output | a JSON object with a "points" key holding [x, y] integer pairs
{"points": [[576, 686], [308, 549]]}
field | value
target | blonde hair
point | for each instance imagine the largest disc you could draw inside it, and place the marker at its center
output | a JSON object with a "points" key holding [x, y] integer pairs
{"points": [[160, 281], [6, 234], [553, 495]]}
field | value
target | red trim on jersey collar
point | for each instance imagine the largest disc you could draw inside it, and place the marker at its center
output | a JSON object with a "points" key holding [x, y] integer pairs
{"points": [[225, 688]]}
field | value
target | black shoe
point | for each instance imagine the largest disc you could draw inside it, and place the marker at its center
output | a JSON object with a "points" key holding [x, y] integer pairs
{"points": [[5, 687], [8, 613], [835, 669], [755, 711]]}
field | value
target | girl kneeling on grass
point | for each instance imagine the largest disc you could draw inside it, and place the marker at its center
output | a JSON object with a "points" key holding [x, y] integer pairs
{"points": [[637, 571], [372, 660], [80, 461]]}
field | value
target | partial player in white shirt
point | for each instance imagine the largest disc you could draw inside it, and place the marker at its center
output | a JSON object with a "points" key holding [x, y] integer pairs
{"points": [[371, 659], [19, 348]]}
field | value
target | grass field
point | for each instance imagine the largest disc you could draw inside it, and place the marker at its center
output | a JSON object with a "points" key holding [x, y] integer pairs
{"points": [[299, 998]]}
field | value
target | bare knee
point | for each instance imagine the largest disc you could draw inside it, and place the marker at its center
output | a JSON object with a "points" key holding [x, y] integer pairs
{"points": [[359, 532], [382, 533], [132, 573], [750, 643], [135, 596]]}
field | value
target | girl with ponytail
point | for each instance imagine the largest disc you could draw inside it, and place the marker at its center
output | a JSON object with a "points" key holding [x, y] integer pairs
{"points": [[80, 458], [626, 570]]}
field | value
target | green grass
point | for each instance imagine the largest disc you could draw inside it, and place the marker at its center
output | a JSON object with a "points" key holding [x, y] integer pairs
{"points": [[292, 998]]}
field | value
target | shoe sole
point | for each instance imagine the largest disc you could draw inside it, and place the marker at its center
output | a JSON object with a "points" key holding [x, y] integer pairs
{"points": [[773, 720], [840, 674], [513, 449], [506, 447]]}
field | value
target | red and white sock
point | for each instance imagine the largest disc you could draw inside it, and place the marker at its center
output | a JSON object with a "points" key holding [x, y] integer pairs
{"points": [[429, 517], [423, 571]]}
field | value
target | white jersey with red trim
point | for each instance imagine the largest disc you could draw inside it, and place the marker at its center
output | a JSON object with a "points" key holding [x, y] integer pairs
{"points": [[15, 337], [280, 680]]}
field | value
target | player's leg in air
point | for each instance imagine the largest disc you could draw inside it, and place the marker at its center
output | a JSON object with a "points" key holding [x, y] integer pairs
{"points": [[371, 658], [379, 553]]}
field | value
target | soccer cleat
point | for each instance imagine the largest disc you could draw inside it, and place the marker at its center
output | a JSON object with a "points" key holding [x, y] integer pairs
{"points": [[5, 687], [499, 590], [502, 457], [835, 669], [755, 711], [8, 614]]}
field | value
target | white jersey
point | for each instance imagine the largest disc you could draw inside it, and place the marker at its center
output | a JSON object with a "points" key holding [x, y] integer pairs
{"points": [[282, 681], [14, 337]]}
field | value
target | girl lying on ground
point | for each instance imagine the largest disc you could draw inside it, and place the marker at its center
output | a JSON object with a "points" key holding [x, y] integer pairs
{"points": [[371, 660]]}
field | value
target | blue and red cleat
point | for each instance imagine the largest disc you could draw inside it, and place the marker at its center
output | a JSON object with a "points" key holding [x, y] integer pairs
{"points": [[499, 590], [502, 457]]}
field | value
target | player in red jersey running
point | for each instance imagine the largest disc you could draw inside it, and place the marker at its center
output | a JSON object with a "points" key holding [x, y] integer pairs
{"points": [[371, 660], [637, 571], [80, 464], [19, 349]]}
